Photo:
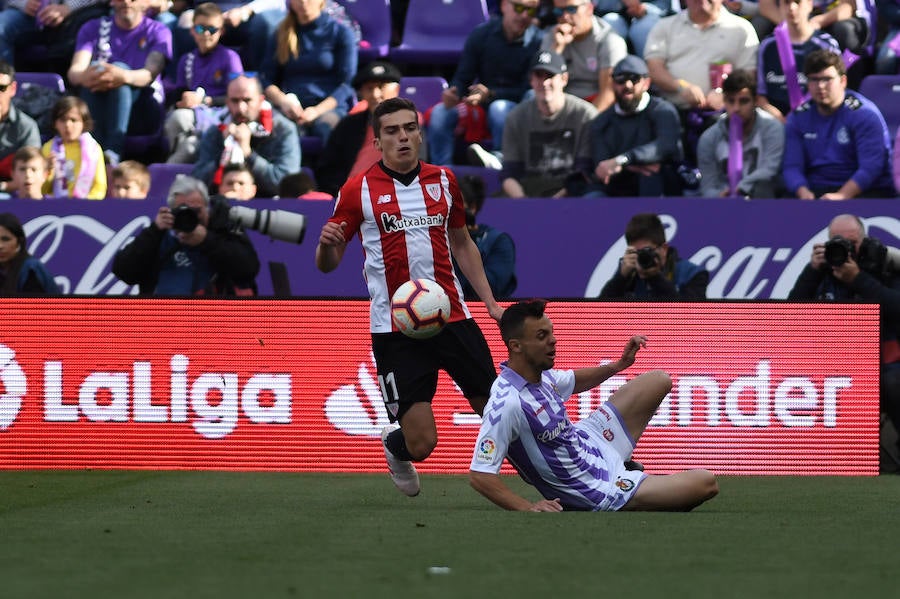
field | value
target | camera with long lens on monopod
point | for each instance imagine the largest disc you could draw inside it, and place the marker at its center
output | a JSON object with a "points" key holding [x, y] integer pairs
{"points": [[282, 225]]}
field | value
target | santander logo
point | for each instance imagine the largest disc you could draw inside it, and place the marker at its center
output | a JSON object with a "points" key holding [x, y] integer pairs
{"points": [[13, 384]]}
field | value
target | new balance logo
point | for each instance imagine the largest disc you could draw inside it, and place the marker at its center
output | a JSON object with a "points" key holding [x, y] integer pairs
{"points": [[384, 199]]}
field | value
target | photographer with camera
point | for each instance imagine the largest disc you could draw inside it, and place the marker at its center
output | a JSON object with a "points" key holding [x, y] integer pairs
{"points": [[651, 268], [194, 246], [852, 266]]}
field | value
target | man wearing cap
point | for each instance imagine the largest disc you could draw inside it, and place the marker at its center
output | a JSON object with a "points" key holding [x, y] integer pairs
{"points": [[636, 142], [546, 138], [351, 148]]}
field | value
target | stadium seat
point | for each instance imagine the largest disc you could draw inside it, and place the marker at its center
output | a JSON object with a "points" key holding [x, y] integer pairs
{"points": [[374, 18], [436, 30], [492, 183], [310, 148], [884, 91], [161, 176], [425, 92], [53, 81]]}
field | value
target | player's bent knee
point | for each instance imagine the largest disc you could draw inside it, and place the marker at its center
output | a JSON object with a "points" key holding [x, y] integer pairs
{"points": [[662, 379], [421, 447]]}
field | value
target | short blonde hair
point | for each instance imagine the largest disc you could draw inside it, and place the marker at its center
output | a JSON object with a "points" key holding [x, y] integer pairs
{"points": [[132, 170]]}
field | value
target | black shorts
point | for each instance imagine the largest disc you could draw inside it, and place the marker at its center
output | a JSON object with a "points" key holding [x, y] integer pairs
{"points": [[408, 368]]}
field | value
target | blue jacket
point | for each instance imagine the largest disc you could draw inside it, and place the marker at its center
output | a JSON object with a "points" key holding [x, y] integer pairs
{"points": [[325, 66], [824, 152], [501, 65]]}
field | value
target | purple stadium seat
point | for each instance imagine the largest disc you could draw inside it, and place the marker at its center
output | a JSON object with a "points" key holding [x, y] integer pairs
{"points": [[161, 176], [374, 18], [492, 183], [884, 91], [425, 92], [52, 80], [436, 30]]}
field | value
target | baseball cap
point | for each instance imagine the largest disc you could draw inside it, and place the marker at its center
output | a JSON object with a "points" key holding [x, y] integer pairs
{"points": [[550, 62], [376, 71], [632, 65]]}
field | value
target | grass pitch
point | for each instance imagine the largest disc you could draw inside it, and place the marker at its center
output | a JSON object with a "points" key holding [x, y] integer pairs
{"points": [[216, 534]]}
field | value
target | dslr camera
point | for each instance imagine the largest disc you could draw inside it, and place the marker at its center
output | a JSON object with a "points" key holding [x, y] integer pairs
{"points": [[186, 219], [647, 258], [872, 256]]}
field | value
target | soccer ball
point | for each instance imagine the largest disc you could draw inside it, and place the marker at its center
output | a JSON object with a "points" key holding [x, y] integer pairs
{"points": [[420, 308]]}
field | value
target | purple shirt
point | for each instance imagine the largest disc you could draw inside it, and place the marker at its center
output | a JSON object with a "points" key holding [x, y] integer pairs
{"points": [[209, 71], [130, 47]]}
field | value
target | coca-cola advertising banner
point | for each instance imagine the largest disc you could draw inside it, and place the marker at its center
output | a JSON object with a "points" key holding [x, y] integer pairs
{"points": [[565, 247], [290, 385]]}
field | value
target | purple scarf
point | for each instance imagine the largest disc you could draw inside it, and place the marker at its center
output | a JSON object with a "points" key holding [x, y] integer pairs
{"points": [[735, 152], [84, 178], [788, 64]]}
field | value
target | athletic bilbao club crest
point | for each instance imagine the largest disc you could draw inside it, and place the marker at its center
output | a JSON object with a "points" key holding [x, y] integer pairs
{"points": [[434, 191]]}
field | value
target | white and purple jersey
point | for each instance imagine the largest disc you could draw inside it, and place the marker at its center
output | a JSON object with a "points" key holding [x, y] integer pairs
{"points": [[580, 464]]}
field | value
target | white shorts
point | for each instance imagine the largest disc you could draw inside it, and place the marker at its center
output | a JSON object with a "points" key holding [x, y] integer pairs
{"points": [[607, 430]]}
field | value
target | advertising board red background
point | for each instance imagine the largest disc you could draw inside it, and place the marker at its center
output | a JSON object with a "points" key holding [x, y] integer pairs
{"points": [[290, 385]]}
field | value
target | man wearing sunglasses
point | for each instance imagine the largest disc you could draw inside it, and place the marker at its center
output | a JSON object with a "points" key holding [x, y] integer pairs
{"points": [[636, 143], [761, 146], [491, 79], [591, 49], [17, 129]]}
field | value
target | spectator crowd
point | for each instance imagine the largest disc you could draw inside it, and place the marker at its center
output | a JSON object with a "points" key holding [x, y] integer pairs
{"points": [[560, 97]]}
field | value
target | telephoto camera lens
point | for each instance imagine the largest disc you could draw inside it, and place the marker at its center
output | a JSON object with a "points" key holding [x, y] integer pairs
{"points": [[282, 225]]}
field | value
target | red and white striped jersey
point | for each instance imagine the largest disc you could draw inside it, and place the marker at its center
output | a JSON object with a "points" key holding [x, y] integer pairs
{"points": [[403, 229]]}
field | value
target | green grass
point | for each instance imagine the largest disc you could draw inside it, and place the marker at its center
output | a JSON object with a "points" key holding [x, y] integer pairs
{"points": [[215, 534]]}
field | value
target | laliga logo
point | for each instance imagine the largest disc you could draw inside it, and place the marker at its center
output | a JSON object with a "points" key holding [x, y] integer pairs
{"points": [[13, 384]]}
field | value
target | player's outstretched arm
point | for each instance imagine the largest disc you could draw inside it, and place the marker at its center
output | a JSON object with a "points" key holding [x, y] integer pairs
{"points": [[588, 378], [493, 488], [469, 259], [331, 246]]}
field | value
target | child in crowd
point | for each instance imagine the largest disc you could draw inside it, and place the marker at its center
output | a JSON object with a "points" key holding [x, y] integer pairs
{"points": [[130, 181], [301, 186], [29, 171], [237, 183], [77, 168], [201, 83]]}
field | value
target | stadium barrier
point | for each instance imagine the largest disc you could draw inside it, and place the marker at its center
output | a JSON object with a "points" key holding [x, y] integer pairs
{"points": [[768, 388], [564, 247]]}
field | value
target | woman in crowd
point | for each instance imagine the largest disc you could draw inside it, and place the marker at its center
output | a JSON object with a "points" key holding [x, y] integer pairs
{"points": [[309, 66], [20, 272]]}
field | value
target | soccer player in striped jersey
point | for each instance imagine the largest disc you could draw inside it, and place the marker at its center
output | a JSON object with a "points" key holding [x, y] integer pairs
{"points": [[574, 466], [410, 216]]}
